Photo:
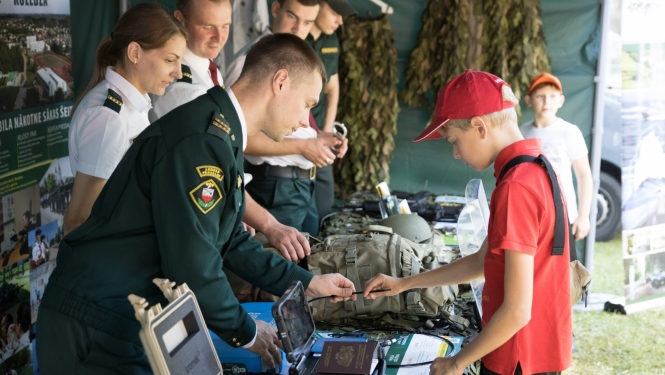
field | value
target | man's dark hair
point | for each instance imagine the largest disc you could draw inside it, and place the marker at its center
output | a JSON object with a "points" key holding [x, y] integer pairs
{"points": [[282, 51], [307, 3], [28, 214]]}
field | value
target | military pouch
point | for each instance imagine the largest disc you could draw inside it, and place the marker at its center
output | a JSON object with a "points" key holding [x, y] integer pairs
{"points": [[359, 257]]}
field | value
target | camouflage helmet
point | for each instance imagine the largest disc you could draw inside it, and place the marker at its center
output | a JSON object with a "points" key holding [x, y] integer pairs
{"points": [[411, 227]]}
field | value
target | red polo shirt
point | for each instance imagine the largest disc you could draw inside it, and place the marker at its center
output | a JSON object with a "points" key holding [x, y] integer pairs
{"points": [[522, 219]]}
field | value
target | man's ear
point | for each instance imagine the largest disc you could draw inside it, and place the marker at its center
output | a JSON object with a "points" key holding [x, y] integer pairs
{"points": [[274, 8], [480, 126], [563, 99], [279, 81], [179, 16]]}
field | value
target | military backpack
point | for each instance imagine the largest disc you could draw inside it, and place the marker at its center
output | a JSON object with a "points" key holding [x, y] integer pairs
{"points": [[359, 257]]}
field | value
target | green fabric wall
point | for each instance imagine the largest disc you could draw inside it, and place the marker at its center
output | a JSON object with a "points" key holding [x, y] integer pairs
{"points": [[91, 22], [571, 28]]}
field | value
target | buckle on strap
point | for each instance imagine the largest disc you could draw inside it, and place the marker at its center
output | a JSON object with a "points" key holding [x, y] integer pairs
{"points": [[312, 172], [351, 256], [413, 303]]}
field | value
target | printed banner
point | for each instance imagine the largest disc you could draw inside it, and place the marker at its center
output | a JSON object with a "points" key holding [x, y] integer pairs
{"points": [[36, 98], [643, 175]]}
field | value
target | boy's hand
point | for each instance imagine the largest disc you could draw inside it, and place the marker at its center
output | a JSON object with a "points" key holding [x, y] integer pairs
{"points": [[445, 366], [382, 281], [581, 227]]}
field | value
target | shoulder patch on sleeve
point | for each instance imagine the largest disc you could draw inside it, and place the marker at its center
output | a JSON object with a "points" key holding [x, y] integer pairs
{"points": [[210, 171], [186, 74], [113, 101], [206, 195]]}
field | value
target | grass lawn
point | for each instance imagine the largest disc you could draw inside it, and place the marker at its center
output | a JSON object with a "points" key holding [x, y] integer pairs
{"points": [[612, 343]]}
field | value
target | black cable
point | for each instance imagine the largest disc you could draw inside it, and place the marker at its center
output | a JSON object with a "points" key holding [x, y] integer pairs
{"points": [[374, 291]]}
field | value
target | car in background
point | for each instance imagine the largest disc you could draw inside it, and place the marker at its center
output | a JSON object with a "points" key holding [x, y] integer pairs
{"points": [[608, 218]]}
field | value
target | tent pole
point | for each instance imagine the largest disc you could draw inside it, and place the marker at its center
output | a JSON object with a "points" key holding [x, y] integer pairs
{"points": [[597, 130], [123, 6]]}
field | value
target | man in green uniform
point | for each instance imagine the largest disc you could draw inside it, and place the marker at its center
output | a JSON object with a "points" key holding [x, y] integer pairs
{"points": [[172, 209], [323, 39]]}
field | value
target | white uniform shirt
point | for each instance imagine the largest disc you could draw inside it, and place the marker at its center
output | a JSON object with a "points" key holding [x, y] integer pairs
{"points": [[562, 143], [250, 17], [297, 160], [100, 136], [179, 93], [235, 67], [37, 252]]}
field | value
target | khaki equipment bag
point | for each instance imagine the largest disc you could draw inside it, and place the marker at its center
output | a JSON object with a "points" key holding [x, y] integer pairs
{"points": [[361, 256]]}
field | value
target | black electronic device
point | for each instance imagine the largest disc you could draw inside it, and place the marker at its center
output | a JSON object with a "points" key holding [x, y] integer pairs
{"points": [[296, 329], [295, 326]]}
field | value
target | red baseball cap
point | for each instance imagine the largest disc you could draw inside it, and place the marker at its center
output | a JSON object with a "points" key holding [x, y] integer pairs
{"points": [[544, 78], [468, 95]]}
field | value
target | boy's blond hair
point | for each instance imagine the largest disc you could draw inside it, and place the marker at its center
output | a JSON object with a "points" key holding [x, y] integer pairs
{"points": [[496, 119]]}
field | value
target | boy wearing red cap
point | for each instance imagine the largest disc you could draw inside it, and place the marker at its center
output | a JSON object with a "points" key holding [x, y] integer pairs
{"points": [[527, 320], [563, 144]]}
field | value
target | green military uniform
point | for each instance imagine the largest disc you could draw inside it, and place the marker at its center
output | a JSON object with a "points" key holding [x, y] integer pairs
{"points": [[172, 209], [290, 199], [328, 49]]}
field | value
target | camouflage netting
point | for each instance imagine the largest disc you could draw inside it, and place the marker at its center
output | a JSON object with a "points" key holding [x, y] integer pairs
{"points": [[368, 103], [503, 37], [514, 46], [440, 53]]}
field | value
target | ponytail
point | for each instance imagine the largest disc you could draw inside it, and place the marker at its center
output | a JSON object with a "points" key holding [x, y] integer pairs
{"points": [[148, 24], [103, 59]]}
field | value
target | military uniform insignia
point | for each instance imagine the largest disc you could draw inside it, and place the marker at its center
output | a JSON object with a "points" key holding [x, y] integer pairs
{"points": [[329, 50], [206, 195], [186, 74], [239, 182], [222, 124], [113, 101], [210, 171], [219, 126]]}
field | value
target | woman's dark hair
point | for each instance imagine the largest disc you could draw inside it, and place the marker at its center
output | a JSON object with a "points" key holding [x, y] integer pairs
{"points": [[148, 24]]}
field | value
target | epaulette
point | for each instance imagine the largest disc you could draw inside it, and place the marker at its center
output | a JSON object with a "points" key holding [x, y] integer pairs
{"points": [[220, 127], [186, 74], [113, 101]]}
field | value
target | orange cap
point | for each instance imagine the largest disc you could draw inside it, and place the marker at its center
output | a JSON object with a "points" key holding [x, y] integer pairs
{"points": [[544, 78]]}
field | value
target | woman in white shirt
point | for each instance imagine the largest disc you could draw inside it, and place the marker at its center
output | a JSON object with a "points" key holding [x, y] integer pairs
{"points": [[141, 56]]}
